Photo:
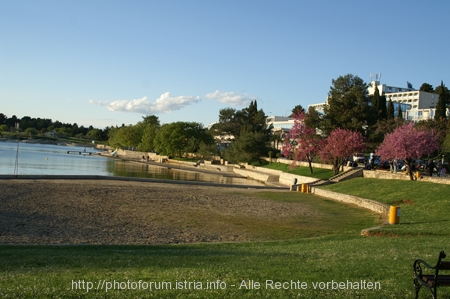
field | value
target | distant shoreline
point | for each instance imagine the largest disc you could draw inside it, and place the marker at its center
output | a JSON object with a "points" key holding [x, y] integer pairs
{"points": [[46, 141]]}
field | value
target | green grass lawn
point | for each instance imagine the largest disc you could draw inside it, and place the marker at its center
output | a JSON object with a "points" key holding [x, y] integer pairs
{"points": [[319, 262], [318, 173], [424, 206]]}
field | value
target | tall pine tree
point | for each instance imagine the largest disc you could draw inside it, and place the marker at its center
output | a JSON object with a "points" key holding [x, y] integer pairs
{"points": [[441, 106], [379, 104], [348, 106], [400, 113], [390, 110], [382, 107]]}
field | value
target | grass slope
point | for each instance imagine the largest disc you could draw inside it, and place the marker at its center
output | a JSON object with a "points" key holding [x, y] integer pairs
{"points": [[424, 206], [318, 173], [321, 261]]}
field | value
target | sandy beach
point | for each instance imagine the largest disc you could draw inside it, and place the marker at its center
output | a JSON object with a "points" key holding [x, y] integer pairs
{"points": [[127, 212]]}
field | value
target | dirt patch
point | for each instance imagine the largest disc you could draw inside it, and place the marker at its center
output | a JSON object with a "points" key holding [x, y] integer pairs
{"points": [[118, 212]]}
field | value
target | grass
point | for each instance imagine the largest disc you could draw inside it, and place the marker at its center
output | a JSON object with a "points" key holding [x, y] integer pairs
{"points": [[424, 206], [58, 271], [318, 173], [341, 256]]}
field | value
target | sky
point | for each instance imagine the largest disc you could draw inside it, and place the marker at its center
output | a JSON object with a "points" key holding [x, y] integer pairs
{"points": [[108, 63]]}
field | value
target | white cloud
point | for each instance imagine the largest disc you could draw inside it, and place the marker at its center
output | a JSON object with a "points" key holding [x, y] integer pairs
{"points": [[230, 98], [164, 104]]}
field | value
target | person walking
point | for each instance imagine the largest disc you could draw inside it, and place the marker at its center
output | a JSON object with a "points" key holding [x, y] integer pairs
{"points": [[430, 168]]}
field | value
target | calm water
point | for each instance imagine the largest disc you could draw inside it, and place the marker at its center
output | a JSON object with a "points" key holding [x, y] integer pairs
{"points": [[54, 160]]}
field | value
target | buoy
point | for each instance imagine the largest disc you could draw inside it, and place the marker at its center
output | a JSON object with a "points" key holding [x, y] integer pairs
{"points": [[46, 158]]}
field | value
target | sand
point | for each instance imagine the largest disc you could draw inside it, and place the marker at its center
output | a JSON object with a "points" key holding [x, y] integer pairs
{"points": [[124, 212]]}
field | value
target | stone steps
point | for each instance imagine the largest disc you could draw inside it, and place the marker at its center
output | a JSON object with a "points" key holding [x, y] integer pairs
{"points": [[351, 173]]}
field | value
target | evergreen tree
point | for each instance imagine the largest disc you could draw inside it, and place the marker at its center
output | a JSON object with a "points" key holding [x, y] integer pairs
{"points": [[375, 100], [379, 104], [348, 106], [249, 129], [400, 113], [441, 106], [296, 109], [426, 87], [313, 118], [382, 108], [390, 110]]}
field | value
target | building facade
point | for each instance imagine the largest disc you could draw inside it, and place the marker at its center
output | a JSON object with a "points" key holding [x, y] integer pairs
{"points": [[416, 105]]}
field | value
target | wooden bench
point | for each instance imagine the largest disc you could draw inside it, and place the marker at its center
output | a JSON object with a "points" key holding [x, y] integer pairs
{"points": [[433, 279]]}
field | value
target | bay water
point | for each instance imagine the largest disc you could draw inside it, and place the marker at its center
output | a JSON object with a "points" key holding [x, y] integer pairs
{"points": [[51, 159]]}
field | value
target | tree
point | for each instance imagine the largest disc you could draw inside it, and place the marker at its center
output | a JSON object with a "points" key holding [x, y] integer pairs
{"points": [[302, 142], [379, 104], [151, 127], [94, 134], [400, 113], [441, 106], [229, 123], [382, 108], [387, 126], [11, 122], [3, 118], [408, 143], [446, 142], [439, 127], [31, 131], [297, 109], [126, 136], [340, 144], [426, 87], [180, 137], [250, 146], [313, 118], [246, 126], [390, 110], [148, 137], [348, 106]]}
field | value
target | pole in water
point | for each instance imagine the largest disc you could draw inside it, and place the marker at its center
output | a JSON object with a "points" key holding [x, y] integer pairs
{"points": [[16, 164]]}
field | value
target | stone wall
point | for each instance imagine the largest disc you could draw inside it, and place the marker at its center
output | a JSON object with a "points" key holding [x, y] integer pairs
{"points": [[263, 169], [288, 179], [304, 164], [273, 176], [138, 155], [257, 176], [387, 175], [369, 204], [103, 147]]}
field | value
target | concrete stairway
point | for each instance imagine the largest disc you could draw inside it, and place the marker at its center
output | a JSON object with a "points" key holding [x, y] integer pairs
{"points": [[351, 173]]}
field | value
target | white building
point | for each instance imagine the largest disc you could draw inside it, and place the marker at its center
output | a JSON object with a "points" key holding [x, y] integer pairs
{"points": [[281, 126], [423, 104], [280, 123], [416, 105]]}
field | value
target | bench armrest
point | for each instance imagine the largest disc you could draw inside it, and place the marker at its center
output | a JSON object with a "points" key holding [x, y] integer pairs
{"points": [[418, 269]]}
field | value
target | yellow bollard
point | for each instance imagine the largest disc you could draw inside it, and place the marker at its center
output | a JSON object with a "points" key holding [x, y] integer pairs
{"points": [[394, 215], [305, 188]]}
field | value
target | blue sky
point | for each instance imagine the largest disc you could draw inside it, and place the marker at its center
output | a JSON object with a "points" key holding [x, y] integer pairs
{"points": [[104, 63]]}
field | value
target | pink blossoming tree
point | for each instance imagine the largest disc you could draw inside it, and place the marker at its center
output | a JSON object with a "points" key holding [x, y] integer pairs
{"points": [[342, 143], [408, 143], [302, 143]]}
